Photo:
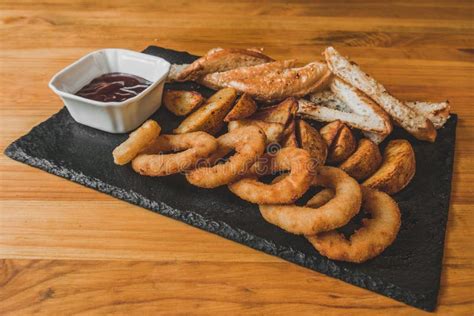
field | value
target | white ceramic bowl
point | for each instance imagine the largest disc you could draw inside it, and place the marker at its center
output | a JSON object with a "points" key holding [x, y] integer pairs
{"points": [[112, 117]]}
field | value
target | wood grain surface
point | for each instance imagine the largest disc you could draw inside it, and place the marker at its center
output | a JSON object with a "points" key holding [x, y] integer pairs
{"points": [[68, 249]]}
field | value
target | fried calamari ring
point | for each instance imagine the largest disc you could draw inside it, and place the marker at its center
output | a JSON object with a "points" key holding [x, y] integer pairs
{"points": [[338, 211], [301, 170], [192, 146], [376, 234], [248, 143]]}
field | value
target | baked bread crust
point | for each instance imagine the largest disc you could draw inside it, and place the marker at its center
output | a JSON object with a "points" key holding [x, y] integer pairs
{"points": [[217, 60], [274, 81], [414, 123]]}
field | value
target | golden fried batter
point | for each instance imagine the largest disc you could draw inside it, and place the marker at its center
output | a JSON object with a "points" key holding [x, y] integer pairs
{"points": [[376, 234], [306, 220], [301, 169], [249, 145], [193, 147]]}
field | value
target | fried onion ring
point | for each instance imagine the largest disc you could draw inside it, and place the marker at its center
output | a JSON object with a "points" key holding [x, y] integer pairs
{"points": [[376, 234], [338, 211], [248, 143], [136, 142], [193, 147], [301, 171]]}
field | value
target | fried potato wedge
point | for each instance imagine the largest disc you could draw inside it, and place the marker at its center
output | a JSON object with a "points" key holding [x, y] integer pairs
{"points": [[181, 102], [312, 141], [330, 131], [273, 131], [364, 161], [209, 117], [243, 108], [289, 135], [340, 141], [397, 170], [343, 146], [136, 142], [273, 120], [281, 113]]}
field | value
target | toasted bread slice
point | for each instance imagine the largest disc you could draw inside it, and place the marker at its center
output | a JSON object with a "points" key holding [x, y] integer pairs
{"points": [[364, 161], [181, 102], [320, 113], [312, 141], [375, 137], [217, 60], [209, 117], [216, 80], [272, 81], [361, 104], [437, 113], [243, 108], [410, 120], [397, 170], [327, 98], [175, 70]]}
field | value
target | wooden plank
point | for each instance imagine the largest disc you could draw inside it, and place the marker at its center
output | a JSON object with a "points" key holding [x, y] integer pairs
{"points": [[184, 287], [71, 249]]}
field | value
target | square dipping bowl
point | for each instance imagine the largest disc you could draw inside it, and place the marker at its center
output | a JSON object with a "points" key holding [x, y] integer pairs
{"points": [[112, 117]]}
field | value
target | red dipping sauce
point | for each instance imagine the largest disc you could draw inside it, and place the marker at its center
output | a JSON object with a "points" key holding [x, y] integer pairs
{"points": [[114, 87]]}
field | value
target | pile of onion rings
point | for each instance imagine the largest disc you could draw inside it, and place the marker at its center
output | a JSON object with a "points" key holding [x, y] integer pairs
{"points": [[201, 157]]}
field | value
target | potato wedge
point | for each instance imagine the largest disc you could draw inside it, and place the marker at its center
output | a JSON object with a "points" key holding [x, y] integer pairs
{"points": [[281, 113], [364, 161], [209, 117], [182, 102], [136, 142], [289, 136], [330, 131], [343, 146], [273, 131], [312, 141], [244, 107], [397, 170]]}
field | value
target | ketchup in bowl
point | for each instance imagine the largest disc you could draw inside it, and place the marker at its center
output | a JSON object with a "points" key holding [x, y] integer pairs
{"points": [[114, 87]]}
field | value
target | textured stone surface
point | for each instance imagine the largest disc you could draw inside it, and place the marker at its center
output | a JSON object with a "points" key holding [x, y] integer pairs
{"points": [[408, 271]]}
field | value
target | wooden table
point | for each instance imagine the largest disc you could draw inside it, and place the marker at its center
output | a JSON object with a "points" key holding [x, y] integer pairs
{"points": [[69, 249]]}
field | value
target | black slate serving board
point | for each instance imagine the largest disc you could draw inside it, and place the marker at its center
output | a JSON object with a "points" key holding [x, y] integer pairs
{"points": [[408, 271]]}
